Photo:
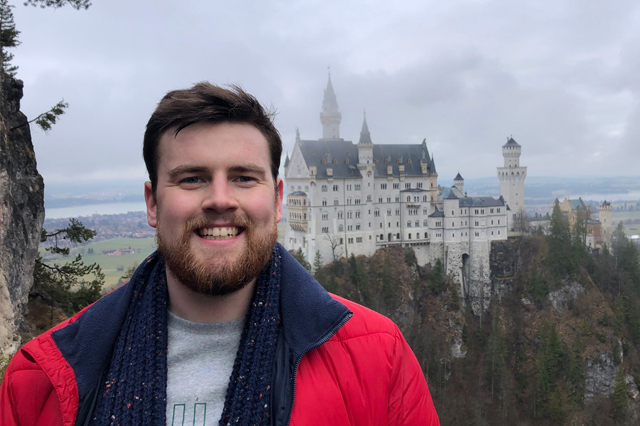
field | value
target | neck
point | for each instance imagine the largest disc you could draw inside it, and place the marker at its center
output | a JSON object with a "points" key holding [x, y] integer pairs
{"points": [[202, 308]]}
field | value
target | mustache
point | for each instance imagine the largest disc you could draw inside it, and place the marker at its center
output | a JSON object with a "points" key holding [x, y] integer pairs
{"points": [[201, 222]]}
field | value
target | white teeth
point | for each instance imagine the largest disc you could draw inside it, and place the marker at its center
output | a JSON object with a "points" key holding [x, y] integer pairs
{"points": [[216, 233]]}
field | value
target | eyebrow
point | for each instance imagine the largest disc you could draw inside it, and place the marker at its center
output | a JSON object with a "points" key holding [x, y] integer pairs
{"points": [[190, 169], [186, 169]]}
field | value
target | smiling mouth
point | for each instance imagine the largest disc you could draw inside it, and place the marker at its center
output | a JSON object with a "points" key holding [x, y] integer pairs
{"points": [[219, 233]]}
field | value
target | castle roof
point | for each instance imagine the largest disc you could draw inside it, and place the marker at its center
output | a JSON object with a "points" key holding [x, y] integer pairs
{"points": [[458, 177], [481, 202], [511, 142], [365, 136], [336, 152], [577, 204], [606, 203], [286, 161], [437, 213], [297, 194]]}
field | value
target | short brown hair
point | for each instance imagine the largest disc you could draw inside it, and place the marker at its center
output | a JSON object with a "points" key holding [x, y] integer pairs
{"points": [[207, 103]]}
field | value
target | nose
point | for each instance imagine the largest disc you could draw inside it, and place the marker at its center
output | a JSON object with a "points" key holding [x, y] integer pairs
{"points": [[220, 197]]}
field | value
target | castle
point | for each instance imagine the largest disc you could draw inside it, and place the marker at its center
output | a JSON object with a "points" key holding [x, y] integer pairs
{"points": [[346, 198]]}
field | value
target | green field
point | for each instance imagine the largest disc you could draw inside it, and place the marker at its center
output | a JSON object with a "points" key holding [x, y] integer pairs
{"points": [[110, 264]]}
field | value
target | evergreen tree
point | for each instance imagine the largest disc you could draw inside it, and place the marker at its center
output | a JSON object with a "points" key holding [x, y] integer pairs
{"points": [[559, 257], [454, 304], [388, 284], [319, 269], [8, 38], [495, 362], [619, 397], [301, 258], [576, 375], [66, 285], [436, 281], [579, 237]]}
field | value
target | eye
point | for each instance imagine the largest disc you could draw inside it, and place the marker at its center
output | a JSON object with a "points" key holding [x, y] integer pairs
{"points": [[245, 179], [191, 180]]}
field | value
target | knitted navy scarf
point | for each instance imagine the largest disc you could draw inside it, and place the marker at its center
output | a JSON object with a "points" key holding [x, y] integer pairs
{"points": [[135, 387]]}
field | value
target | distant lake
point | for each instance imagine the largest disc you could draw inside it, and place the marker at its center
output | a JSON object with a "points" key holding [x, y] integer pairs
{"points": [[625, 196], [88, 210]]}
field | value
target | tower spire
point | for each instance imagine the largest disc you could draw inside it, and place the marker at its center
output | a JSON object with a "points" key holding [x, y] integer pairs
{"points": [[330, 117], [365, 136]]}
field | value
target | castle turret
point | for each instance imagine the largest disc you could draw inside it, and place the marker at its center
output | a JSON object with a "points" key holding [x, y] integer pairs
{"points": [[605, 221], [458, 183], [512, 177], [330, 116]]}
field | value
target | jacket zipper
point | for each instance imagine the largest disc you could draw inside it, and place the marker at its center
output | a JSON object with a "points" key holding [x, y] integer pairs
{"points": [[295, 366]]}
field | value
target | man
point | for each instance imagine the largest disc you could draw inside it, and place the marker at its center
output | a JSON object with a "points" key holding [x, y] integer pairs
{"points": [[221, 325]]}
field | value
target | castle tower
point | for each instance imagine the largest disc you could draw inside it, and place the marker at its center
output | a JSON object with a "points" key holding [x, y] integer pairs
{"points": [[458, 183], [605, 221], [330, 116], [512, 177]]}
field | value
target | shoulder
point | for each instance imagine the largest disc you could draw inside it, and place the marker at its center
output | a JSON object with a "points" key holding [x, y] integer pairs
{"points": [[365, 322]]}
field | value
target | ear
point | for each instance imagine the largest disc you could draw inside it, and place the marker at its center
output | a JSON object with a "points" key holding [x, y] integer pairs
{"points": [[279, 196], [152, 206]]}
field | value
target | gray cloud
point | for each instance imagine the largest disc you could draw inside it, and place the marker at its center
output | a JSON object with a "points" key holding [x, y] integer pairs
{"points": [[560, 76]]}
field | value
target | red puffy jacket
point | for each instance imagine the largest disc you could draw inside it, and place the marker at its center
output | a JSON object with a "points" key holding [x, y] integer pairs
{"points": [[345, 364]]}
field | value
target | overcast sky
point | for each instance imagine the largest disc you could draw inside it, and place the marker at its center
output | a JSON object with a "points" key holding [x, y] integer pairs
{"points": [[562, 77]]}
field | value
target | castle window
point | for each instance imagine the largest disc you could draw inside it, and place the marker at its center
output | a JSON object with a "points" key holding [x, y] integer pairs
{"points": [[340, 228], [357, 213], [424, 198], [325, 230], [409, 235], [341, 240], [491, 211], [368, 198], [358, 239], [376, 213], [396, 186], [477, 223], [417, 236], [323, 161], [477, 212], [383, 186], [388, 199], [498, 210], [388, 212], [498, 232], [380, 200], [417, 223], [335, 161], [324, 201], [335, 188], [407, 185], [398, 235], [408, 224], [350, 228], [325, 216], [438, 223], [349, 214], [375, 160], [424, 222], [357, 200], [339, 215], [397, 212], [492, 222], [408, 199], [350, 240], [419, 184], [409, 160], [324, 188], [349, 201], [357, 226], [477, 234], [357, 187], [498, 221], [335, 202]]}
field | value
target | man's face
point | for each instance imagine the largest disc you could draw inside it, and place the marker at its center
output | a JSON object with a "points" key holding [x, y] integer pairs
{"points": [[216, 209]]}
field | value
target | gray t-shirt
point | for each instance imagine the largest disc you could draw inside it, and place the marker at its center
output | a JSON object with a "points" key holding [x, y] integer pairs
{"points": [[200, 361]]}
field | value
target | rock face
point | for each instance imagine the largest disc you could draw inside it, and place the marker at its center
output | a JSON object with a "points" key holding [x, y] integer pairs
{"points": [[21, 213], [601, 374], [504, 261], [561, 299]]}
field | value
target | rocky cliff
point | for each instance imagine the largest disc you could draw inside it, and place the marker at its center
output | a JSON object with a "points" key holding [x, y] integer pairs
{"points": [[21, 213]]}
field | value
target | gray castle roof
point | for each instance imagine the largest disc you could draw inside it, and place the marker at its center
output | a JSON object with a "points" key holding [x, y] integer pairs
{"points": [[437, 213], [511, 142], [286, 161], [480, 202], [365, 135], [314, 151], [458, 177], [298, 194]]}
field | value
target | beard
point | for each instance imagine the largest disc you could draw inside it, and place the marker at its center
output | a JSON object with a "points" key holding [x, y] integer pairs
{"points": [[215, 274]]}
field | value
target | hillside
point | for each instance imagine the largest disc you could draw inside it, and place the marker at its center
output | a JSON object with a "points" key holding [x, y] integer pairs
{"points": [[553, 348]]}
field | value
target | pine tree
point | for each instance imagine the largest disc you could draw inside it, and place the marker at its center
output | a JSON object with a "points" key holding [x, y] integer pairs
{"points": [[576, 375], [319, 269], [619, 397], [301, 258], [559, 242], [8, 38], [436, 282], [495, 362]]}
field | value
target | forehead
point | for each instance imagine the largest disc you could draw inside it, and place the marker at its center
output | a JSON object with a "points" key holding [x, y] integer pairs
{"points": [[216, 144]]}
